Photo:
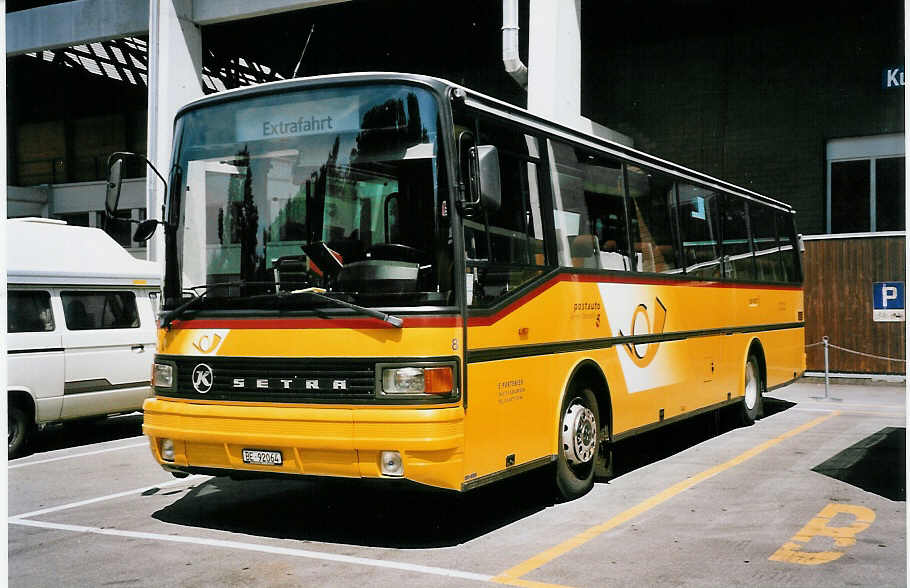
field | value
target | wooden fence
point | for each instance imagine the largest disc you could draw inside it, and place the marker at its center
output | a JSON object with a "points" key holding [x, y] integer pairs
{"points": [[839, 276]]}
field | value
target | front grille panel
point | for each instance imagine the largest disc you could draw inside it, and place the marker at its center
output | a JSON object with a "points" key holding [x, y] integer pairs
{"points": [[264, 379]]}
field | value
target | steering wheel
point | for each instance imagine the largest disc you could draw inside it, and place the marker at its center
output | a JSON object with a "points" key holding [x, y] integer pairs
{"points": [[395, 252]]}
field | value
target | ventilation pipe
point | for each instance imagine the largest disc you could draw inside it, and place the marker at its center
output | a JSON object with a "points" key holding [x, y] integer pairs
{"points": [[510, 58]]}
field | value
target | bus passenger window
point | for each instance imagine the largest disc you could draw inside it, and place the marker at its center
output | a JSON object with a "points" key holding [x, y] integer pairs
{"points": [[652, 209], [789, 251], [590, 211], [698, 223], [738, 262], [768, 264]]}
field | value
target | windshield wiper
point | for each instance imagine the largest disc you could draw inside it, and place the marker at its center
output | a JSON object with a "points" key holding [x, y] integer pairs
{"points": [[320, 294], [168, 316]]}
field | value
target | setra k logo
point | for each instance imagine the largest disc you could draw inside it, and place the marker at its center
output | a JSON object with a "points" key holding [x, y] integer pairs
{"points": [[203, 378]]}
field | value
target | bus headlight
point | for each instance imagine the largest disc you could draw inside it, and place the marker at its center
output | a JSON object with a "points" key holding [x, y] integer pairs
{"points": [[417, 380], [162, 375]]}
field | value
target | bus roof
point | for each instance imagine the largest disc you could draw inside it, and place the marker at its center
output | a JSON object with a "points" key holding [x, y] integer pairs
{"points": [[494, 106], [47, 252]]}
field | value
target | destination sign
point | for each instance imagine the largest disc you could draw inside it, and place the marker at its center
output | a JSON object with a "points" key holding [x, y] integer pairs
{"points": [[310, 117]]}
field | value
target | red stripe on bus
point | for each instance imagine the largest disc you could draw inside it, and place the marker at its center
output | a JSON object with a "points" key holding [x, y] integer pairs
{"points": [[316, 323]]}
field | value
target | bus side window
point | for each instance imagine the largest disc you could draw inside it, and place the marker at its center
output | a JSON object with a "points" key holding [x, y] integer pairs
{"points": [[590, 213], [652, 210], [738, 262], [789, 249], [768, 263], [698, 223], [504, 247]]}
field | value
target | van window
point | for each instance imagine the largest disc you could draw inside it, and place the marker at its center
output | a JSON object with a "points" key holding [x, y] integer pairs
{"points": [[29, 312], [100, 310]]}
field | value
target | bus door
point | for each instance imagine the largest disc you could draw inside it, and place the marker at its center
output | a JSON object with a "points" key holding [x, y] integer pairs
{"points": [[508, 387], [699, 226]]}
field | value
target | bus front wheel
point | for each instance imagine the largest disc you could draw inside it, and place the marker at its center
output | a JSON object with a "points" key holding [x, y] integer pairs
{"points": [[751, 406], [579, 423]]}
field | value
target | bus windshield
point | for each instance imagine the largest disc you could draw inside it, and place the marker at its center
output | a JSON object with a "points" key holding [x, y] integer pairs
{"points": [[335, 188]]}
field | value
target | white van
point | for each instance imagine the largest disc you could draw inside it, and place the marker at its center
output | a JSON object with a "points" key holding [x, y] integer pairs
{"points": [[80, 323]]}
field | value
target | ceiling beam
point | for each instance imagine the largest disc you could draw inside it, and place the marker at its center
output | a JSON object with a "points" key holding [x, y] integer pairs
{"points": [[74, 23]]}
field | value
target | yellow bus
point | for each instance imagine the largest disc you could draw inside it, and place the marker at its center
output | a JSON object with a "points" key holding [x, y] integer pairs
{"points": [[392, 276]]}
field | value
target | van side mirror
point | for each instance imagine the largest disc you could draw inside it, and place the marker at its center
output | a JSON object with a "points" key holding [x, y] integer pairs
{"points": [[488, 179], [114, 182]]}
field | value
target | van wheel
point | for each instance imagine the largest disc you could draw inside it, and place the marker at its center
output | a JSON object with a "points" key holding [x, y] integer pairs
{"points": [[751, 406], [19, 427], [579, 423]]}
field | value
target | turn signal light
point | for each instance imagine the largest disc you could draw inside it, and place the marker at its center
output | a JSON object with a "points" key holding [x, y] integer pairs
{"points": [[437, 380]]}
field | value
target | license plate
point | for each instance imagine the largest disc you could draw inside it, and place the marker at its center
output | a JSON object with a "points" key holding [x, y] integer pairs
{"points": [[261, 457]]}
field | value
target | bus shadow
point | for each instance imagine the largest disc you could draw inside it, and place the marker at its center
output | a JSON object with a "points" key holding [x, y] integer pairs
{"points": [[398, 515], [653, 446], [87, 432], [357, 512]]}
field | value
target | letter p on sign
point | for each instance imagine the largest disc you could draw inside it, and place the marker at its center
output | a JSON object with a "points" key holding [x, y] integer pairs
{"points": [[888, 301]]}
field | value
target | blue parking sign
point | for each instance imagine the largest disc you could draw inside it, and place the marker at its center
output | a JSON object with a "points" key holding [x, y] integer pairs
{"points": [[888, 295]]}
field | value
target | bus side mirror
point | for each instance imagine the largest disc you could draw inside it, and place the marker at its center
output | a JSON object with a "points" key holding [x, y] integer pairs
{"points": [[114, 181], [485, 158], [145, 230]]}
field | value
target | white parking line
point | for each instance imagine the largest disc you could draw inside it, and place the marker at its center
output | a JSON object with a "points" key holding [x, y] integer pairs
{"points": [[50, 459], [346, 559], [36, 513]]}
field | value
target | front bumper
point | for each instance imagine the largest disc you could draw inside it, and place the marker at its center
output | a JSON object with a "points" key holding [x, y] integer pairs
{"points": [[314, 441]]}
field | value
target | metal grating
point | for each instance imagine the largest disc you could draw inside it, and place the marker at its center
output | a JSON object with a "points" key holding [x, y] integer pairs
{"points": [[296, 380], [126, 60]]}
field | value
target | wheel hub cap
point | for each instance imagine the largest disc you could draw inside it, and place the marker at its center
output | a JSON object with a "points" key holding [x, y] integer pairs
{"points": [[579, 434], [751, 386]]}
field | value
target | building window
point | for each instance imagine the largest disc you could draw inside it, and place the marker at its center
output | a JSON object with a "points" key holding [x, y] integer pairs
{"points": [[866, 184]]}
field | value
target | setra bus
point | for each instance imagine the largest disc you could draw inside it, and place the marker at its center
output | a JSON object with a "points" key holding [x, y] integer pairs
{"points": [[392, 276]]}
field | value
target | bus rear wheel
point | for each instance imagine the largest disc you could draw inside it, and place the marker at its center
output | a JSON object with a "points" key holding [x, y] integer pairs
{"points": [[579, 423], [751, 406]]}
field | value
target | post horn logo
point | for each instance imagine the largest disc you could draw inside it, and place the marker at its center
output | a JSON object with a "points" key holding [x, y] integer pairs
{"points": [[207, 343], [643, 353]]}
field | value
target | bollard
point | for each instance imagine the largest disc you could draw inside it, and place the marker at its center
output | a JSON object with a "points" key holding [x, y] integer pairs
{"points": [[825, 341], [827, 379]]}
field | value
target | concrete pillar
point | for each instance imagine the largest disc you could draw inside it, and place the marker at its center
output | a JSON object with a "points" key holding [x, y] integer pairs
{"points": [[175, 68], [554, 60], [554, 67]]}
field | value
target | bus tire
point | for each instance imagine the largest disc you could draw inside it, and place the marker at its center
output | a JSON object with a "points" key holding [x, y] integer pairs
{"points": [[751, 406], [579, 422], [19, 427]]}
